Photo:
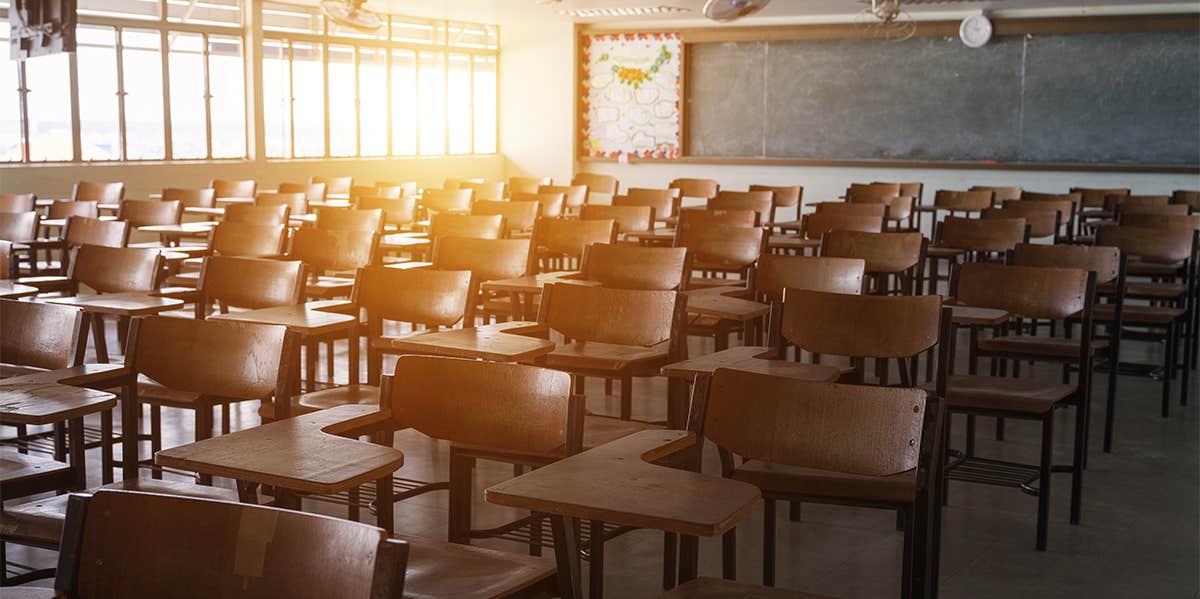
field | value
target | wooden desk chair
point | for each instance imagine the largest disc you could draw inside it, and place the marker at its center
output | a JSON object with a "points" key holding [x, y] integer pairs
{"points": [[19, 227], [775, 273], [399, 213], [334, 185], [635, 267], [552, 204], [706, 217], [248, 283], [296, 202], [1036, 293], [628, 219], [17, 202], [958, 238], [495, 190], [438, 201], [1001, 193], [1095, 199], [193, 364], [81, 231], [650, 334], [559, 243], [785, 196], [387, 192], [872, 192], [313, 192], [965, 203], [1045, 219], [408, 189], [233, 188], [898, 257], [420, 296], [110, 530], [815, 226], [704, 189], [761, 202], [1189, 198], [104, 193], [191, 198], [457, 183], [1075, 219], [519, 216], [600, 188], [527, 184], [663, 201], [829, 443], [326, 251], [143, 213], [863, 208], [488, 260], [722, 249], [1164, 210], [1109, 265], [1120, 204], [490, 226], [900, 206], [337, 218], [240, 239], [1168, 256], [574, 196], [69, 208], [265, 214]]}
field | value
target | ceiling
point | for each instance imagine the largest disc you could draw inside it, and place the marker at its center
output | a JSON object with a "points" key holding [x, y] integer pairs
{"points": [[501, 11]]}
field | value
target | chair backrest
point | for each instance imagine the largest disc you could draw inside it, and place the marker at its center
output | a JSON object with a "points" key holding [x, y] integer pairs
{"points": [[1158, 245], [975, 200], [324, 249], [8, 266], [722, 248], [1105, 261], [191, 198], [518, 216], [574, 196], [337, 218], [1187, 197], [861, 208], [419, 295], [487, 259], [252, 283], [398, 211], [882, 252], [702, 217], [776, 272], [860, 326], [1162, 221], [38, 334], [1042, 221], [1093, 197], [1023, 291], [17, 202], [247, 239], [313, 192], [783, 196], [980, 235], [447, 200], [104, 193], [813, 226], [19, 226], [605, 315], [527, 184], [222, 358], [408, 189], [490, 226], [509, 408], [1074, 197], [261, 214], [696, 188], [629, 219], [552, 203], [390, 192], [850, 429], [93, 231], [232, 550], [1000, 193], [457, 183], [1155, 209], [872, 193], [635, 267], [597, 183], [761, 202], [661, 200], [1122, 203], [233, 188], [116, 270], [69, 208], [296, 202], [494, 190], [570, 237], [335, 185], [141, 213]]}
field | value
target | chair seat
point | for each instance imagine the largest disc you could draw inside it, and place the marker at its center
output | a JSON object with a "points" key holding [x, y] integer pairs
{"points": [[1025, 395], [811, 482], [592, 355], [437, 569], [944, 252], [1138, 315], [598, 430], [338, 396], [719, 588], [17, 467], [1054, 347], [1147, 290], [40, 522]]}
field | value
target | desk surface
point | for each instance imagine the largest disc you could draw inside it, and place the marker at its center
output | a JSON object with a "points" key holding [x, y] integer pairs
{"points": [[181, 228], [35, 402], [297, 318], [615, 483], [502, 342], [302, 454], [760, 360], [120, 304], [725, 307], [535, 283], [12, 290], [972, 316]]}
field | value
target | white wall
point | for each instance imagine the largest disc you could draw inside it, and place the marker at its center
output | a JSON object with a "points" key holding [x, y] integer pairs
{"points": [[537, 99]]}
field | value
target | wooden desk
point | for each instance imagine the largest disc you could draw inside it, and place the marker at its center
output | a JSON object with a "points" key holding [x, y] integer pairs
{"points": [[12, 290], [296, 455], [312, 325], [972, 316], [113, 304], [179, 229], [615, 483], [303, 219], [794, 244], [655, 237], [522, 289], [201, 210], [760, 360], [503, 342], [404, 242], [725, 307], [62, 222]]}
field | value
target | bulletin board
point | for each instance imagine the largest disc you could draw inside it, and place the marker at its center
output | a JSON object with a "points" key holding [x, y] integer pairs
{"points": [[631, 96]]}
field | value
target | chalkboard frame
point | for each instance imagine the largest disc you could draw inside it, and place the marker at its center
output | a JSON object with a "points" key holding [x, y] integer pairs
{"points": [[834, 31]]}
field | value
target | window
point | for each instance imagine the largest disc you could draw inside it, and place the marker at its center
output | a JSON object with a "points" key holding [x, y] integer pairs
{"points": [[141, 57], [208, 96], [227, 92], [189, 126], [99, 120], [48, 101], [12, 148], [404, 102], [308, 100], [372, 101], [343, 112]]}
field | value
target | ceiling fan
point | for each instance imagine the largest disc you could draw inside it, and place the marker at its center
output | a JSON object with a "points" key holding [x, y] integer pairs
{"points": [[729, 10], [350, 13]]}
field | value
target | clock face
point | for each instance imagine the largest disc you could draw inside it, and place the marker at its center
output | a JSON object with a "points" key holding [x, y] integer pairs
{"points": [[975, 31]]}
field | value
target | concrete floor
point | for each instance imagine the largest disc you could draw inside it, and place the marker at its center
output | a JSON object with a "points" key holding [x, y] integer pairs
{"points": [[1139, 536]]}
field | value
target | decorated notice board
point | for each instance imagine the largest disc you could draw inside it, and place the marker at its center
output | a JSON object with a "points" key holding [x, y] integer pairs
{"points": [[632, 95]]}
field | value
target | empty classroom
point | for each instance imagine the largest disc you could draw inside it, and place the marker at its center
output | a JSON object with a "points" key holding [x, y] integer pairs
{"points": [[688, 299]]}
